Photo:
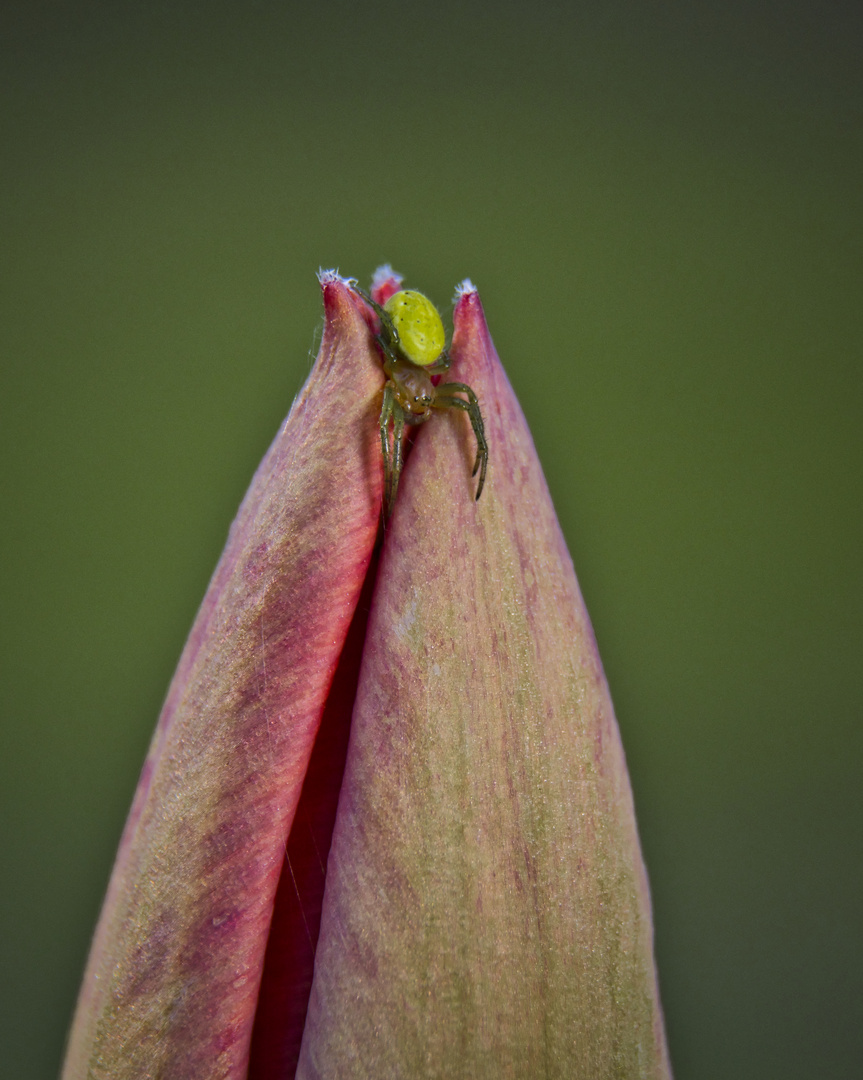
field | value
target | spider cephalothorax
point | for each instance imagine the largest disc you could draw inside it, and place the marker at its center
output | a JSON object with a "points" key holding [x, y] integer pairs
{"points": [[413, 342]]}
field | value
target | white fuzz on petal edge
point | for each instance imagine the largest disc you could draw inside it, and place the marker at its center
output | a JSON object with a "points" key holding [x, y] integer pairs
{"points": [[464, 288], [383, 274], [329, 277]]}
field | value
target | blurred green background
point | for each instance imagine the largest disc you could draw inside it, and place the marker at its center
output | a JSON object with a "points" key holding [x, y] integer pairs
{"points": [[661, 206]]}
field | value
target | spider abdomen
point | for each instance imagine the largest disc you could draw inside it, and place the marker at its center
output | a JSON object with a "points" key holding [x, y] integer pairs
{"points": [[418, 325]]}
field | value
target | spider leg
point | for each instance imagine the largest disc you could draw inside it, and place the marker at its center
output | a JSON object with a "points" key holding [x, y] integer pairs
{"points": [[440, 365], [386, 414], [393, 460], [396, 470], [386, 323], [445, 398]]}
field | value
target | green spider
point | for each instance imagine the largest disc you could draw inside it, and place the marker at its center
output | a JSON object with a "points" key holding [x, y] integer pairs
{"points": [[413, 341]]}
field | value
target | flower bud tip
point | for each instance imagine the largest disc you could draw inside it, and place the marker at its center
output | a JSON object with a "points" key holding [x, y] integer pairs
{"points": [[331, 277], [385, 283], [385, 273]]}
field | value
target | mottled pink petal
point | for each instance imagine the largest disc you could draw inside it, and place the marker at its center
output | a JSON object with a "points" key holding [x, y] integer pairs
{"points": [[486, 909], [172, 981]]}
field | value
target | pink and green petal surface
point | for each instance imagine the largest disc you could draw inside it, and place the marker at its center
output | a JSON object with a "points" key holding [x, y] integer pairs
{"points": [[172, 982], [484, 910]]}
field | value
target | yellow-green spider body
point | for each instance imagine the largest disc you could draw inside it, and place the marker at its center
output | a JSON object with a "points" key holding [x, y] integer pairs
{"points": [[413, 342], [419, 327]]}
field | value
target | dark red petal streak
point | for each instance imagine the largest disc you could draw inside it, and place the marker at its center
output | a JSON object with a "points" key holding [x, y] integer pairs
{"points": [[289, 964], [172, 981]]}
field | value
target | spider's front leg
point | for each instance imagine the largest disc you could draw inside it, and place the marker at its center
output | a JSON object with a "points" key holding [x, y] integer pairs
{"points": [[388, 338], [446, 399]]}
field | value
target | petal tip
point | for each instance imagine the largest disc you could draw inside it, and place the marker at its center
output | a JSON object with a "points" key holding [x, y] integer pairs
{"points": [[340, 297], [385, 282], [465, 288], [468, 316], [333, 277]]}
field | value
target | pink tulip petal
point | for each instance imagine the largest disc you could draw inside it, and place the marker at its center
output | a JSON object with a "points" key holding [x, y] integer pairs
{"points": [[172, 981], [486, 910]]}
